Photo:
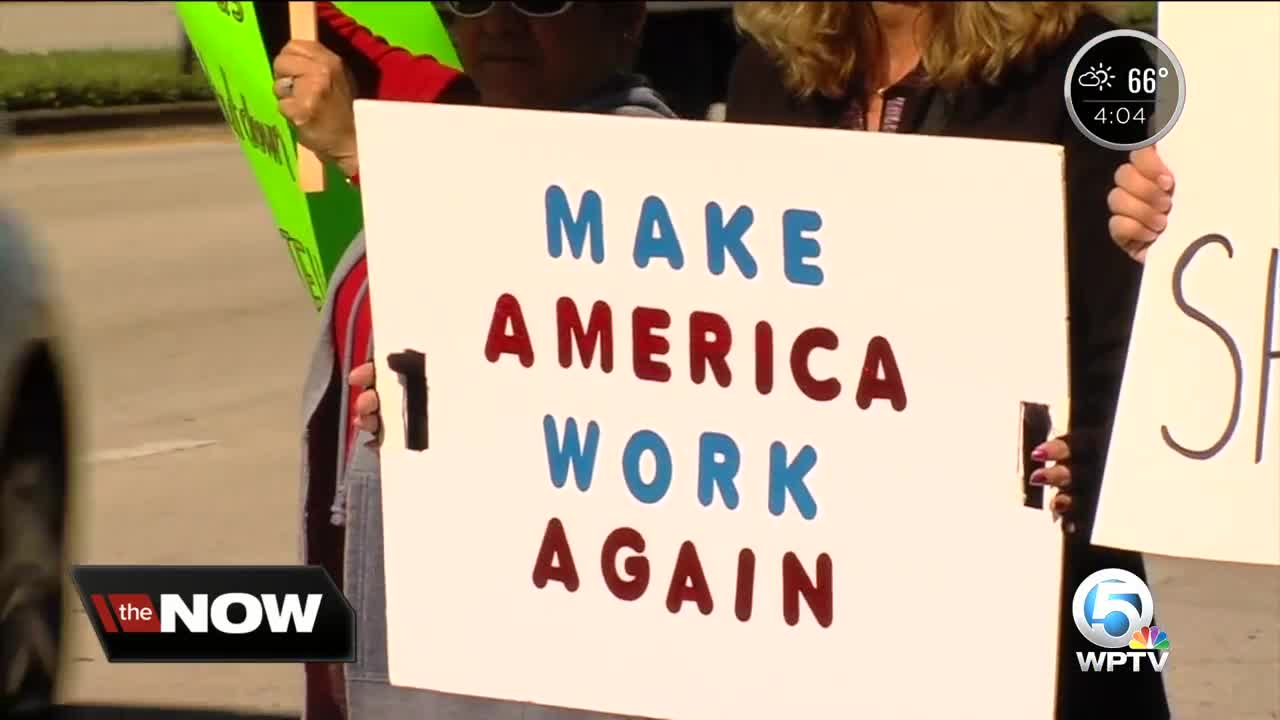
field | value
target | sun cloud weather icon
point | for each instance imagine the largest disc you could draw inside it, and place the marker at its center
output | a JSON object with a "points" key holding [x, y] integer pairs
{"points": [[1096, 76]]}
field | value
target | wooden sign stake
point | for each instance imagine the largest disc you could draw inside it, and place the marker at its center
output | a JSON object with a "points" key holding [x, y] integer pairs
{"points": [[302, 26]]}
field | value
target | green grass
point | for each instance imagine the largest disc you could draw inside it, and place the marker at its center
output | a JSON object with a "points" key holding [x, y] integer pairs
{"points": [[96, 78]]}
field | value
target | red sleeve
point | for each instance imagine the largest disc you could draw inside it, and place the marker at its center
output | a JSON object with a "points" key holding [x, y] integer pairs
{"points": [[401, 74]]}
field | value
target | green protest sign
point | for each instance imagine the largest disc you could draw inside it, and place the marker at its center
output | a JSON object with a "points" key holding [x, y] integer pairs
{"points": [[227, 38], [414, 26]]}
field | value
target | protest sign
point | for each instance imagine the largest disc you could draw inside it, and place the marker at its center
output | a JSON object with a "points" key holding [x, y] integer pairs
{"points": [[228, 40], [1194, 467], [710, 433]]}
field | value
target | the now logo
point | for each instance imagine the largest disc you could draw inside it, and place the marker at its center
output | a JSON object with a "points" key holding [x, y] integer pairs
{"points": [[217, 614], [230, 613]]}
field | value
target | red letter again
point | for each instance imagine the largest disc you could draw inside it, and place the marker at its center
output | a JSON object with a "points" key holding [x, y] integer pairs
{"points": [[688, 582], [746, 590], [500, 342], [817, 595], [599, 330], [636, 566], [555, 560]]}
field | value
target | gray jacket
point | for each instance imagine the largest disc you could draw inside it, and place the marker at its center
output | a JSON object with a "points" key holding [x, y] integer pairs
{"points": [[338, 496]]}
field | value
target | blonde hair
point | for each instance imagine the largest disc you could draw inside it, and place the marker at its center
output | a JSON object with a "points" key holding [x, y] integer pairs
{"points": [[818, 43]]}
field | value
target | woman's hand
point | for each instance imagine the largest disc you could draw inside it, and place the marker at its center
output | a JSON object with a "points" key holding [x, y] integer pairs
{"points": [[1140, 202], [1057, 475], [317, 95], [367, 417]]}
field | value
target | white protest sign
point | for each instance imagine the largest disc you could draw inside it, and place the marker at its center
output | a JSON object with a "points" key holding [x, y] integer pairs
{"points": [[812, 495], [1194, 468]]}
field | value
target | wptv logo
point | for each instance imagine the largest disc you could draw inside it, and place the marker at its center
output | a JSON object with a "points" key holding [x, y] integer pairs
{"points": [[217, 613], [1113, 609]]}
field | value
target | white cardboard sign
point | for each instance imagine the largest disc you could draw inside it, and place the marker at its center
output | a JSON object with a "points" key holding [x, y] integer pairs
{"points": [[1194, 468], [814, 492]]}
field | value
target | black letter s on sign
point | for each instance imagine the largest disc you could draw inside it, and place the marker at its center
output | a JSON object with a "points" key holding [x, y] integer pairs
{"points": [[1237, 364]]}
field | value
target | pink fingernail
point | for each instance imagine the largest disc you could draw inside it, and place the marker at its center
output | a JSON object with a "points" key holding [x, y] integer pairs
{"points": [[1039, 454], [1037, 478]]}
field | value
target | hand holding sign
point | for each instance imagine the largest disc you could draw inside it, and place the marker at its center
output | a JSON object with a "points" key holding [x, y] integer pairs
{"points": [[1140, 202], [316, 95], [367, 417], [302, 27]]}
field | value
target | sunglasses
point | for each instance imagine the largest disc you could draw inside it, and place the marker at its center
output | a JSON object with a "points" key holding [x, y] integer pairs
{"points": [[528, 8]]}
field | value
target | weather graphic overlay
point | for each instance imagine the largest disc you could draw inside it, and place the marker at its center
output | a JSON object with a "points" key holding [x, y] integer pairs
{"points": [[1125, 89]]}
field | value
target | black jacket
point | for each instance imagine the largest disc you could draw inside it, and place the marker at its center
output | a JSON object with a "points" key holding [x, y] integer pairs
{"points": [[1028, 105]]}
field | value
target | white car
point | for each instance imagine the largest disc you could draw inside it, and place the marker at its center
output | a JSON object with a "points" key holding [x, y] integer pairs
{"points": [[35, 473]]}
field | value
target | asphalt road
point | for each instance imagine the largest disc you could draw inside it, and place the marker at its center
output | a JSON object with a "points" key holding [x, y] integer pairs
{"points": [[191, 332]]}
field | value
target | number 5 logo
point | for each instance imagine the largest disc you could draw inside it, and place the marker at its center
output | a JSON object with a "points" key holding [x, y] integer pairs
{"points": [[1112, 584]]}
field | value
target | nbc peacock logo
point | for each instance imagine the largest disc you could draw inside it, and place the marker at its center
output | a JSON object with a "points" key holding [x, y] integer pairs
{"points": [[1114, 608], [1150, 638]]}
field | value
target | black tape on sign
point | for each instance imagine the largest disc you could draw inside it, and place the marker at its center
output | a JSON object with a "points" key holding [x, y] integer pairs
{"points": [[411, 367], [1036, 426]]}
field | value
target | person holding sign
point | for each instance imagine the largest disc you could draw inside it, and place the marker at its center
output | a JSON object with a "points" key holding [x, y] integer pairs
{"points": [[995, 71], [543, 55]]}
